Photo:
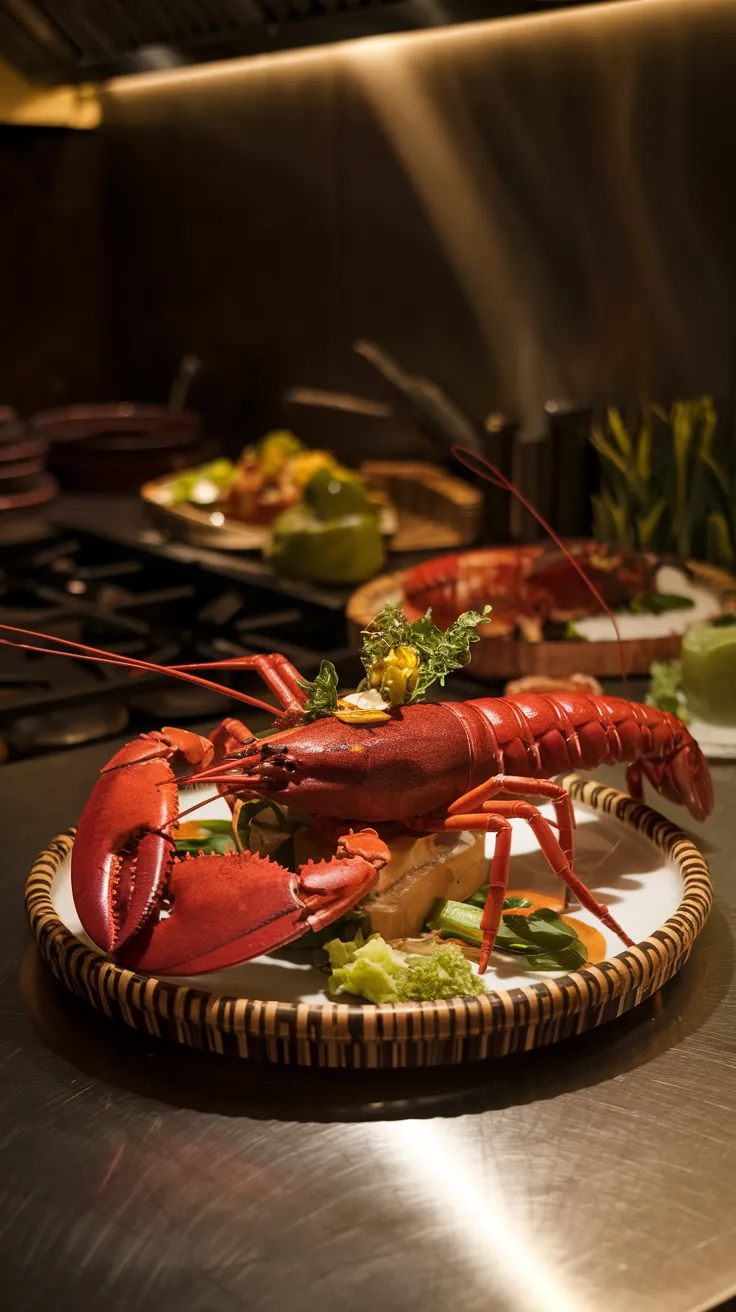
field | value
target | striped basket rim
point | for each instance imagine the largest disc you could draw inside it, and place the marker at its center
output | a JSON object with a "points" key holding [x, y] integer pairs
{"points": [[640, 969]]}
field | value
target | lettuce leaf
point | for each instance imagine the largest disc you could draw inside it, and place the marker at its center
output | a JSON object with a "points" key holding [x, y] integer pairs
{"points": [[372, 969]]}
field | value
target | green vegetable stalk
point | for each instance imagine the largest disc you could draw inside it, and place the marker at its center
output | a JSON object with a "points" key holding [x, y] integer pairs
{"points": [[659, 480], [541, 938]]}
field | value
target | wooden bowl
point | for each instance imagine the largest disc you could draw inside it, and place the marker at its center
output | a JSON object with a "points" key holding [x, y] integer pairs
{"points": [[411, 1034], [98, 448]]}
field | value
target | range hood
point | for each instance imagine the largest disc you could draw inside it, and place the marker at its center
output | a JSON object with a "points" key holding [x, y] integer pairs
{"points": [[65, 41]]}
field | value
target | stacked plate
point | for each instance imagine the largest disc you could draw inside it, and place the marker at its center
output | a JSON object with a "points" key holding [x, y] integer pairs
{"points": [[24, 480]]}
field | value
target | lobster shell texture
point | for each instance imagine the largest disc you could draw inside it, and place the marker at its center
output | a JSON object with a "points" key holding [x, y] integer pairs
{"points": [[526, 582]]}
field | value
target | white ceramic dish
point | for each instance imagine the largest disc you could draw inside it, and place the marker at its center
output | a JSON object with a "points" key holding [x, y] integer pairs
{"points": [[625, 869]]}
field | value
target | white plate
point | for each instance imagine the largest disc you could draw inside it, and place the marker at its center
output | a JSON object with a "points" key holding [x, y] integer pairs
{"points": [[718, 741], [625, 870], [706, 606]]}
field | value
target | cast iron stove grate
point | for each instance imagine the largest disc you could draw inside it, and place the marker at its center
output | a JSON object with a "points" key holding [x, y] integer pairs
{"points": [[117, 595]]}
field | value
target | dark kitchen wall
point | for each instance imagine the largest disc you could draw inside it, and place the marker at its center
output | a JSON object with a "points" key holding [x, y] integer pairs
{"points": [[51, 267], [519, 209]]}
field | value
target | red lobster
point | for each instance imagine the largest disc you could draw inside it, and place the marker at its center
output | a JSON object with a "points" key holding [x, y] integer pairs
{"points": [[527, 584], [433, 767]]}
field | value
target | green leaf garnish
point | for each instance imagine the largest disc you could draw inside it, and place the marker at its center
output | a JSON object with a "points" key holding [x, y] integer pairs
{"points": [[723, 621], [570, 958], [542, 929], [654, 603], [322, 690], [665, 689], [439, 651], [478, 899]]}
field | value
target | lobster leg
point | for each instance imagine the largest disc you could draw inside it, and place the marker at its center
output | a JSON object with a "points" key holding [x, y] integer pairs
{"points": [[494, 817], [508, 783], [522, 786]]}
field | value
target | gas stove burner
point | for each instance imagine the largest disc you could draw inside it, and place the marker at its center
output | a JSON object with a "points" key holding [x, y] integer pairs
{"points": [[103, 585], [15, 690], [72, 728], [23, 529]]}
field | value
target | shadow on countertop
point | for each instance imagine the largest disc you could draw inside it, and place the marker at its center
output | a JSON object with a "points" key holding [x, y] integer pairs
{"points": [[199, 1081]]}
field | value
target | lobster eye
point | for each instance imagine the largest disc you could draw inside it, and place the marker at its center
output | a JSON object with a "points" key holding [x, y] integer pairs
{"points": [[273, 749]]}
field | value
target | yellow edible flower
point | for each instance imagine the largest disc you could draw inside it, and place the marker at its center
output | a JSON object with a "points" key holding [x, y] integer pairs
{"points": [[396, 674]]}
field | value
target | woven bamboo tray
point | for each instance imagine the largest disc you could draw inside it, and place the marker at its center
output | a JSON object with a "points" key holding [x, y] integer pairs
{"points": [[498, 656], [411, 1034]]}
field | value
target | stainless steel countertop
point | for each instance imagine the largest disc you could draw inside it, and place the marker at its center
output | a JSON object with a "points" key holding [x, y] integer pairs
{"points": [[598, 1174]]}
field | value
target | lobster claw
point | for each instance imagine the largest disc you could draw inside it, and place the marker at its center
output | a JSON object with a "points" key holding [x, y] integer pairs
{"points": [[124, 848], [222, 910]]}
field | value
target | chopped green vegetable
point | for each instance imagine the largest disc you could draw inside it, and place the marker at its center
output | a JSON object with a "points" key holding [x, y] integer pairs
{"points": [[322, 690], [542, 936], [374, 970], [367, 967], [654, 603], [444, 974], [665, 689], [203, 484], [439, 652]]}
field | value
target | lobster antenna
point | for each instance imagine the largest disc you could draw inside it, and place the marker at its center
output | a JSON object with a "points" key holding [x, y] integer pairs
{"points": [[81, 652], [482, 466]]}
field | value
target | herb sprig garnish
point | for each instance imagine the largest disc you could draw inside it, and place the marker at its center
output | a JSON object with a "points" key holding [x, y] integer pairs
{"points": [[403, 660], [439, 651]]}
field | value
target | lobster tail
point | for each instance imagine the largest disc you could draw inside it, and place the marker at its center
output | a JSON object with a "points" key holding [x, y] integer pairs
{"points": [[683, 777], [535, 734]]}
